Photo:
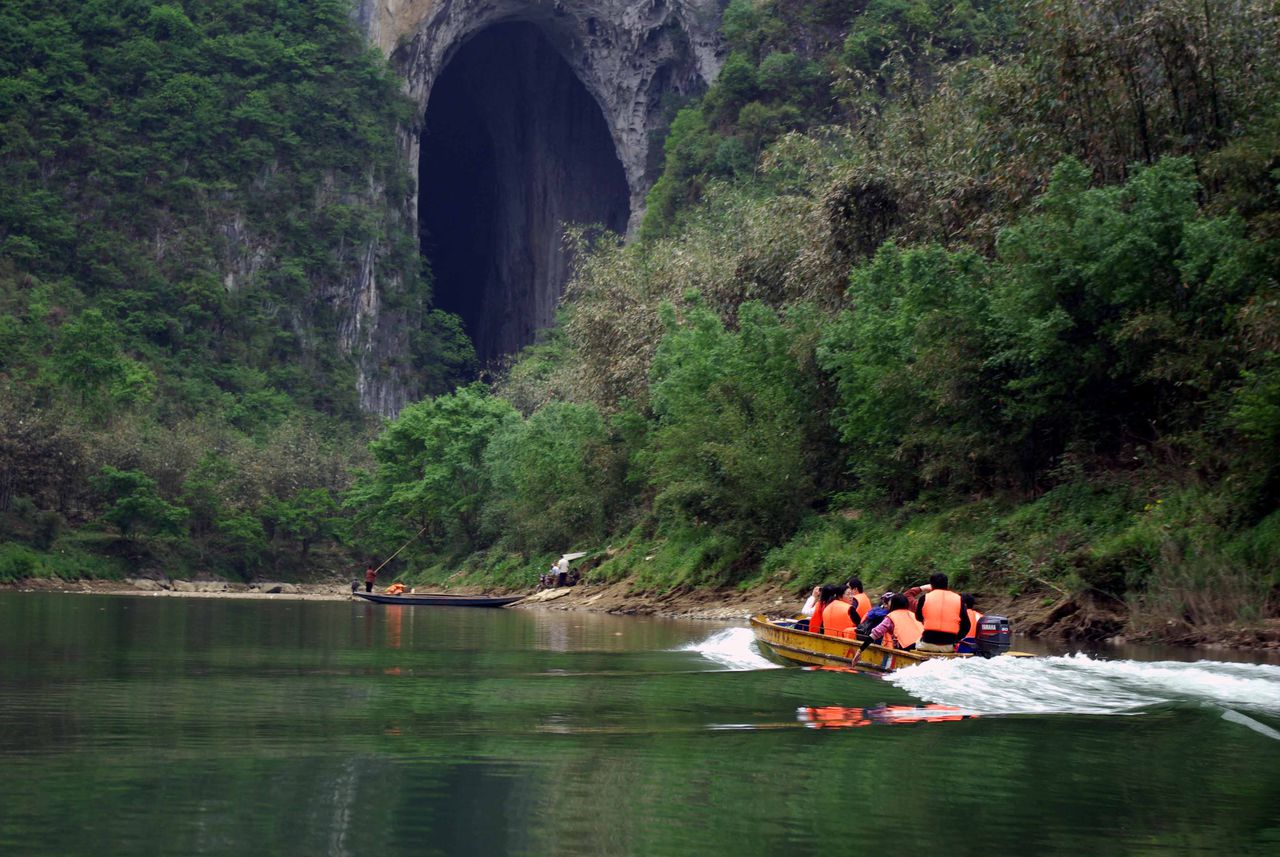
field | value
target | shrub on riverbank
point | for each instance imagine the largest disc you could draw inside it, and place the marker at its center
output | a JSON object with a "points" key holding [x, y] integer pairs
{"points": [[953, 318]]}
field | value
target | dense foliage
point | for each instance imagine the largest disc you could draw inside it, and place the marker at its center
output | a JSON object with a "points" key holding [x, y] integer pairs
{"points": [[986, 288], [189, 190]]}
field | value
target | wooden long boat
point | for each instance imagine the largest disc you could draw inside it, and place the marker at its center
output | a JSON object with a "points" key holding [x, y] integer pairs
{"points": [[803, 647], [441, 600]]}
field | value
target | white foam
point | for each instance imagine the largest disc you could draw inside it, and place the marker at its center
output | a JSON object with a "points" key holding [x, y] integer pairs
{"points": [[1079, 684], [731, 649]]}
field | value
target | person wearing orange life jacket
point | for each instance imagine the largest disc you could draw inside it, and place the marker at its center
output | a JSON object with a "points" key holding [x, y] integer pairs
{"points": [[969, 644], [942, 615], [801, 622], [900, 629], [861, 601], [836, 616], [826, 595]]}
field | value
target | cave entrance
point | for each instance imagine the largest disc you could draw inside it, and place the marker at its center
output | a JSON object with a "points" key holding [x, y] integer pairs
{"points": [[513, 148]]}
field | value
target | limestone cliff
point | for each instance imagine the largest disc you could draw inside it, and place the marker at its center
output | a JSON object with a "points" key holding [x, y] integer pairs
{"points": [[531, 160]]}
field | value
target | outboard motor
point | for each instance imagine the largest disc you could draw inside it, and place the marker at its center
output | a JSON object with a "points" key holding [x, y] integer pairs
{"points": [[993, 636]]}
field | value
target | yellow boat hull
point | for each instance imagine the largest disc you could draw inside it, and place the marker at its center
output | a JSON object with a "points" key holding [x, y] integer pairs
{"points": [[820, 650]]}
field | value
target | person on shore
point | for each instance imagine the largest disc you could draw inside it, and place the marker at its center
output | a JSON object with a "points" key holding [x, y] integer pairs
{"points": [[969, 644], [840, 613], [860, 600], [370, 575], [942, 616], [899, 629]]}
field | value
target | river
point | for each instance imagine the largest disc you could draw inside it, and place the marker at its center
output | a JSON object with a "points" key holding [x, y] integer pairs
{"points": [[136, 725]]}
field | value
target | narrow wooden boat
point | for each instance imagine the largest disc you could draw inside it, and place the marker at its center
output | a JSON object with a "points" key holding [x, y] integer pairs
{"points": [[818, 649], [441, 600]]}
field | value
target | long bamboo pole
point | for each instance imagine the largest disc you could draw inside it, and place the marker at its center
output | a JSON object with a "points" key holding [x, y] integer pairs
{"points": [[402, 547]]}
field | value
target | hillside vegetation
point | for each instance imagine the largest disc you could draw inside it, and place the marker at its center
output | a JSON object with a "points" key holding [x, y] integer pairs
{"points": [[187, 187], [982, 287], [978, 287]]}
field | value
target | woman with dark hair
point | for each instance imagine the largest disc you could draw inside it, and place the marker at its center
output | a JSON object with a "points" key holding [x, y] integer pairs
{"points": [[830, 592], [840, 613], [969, 644]]}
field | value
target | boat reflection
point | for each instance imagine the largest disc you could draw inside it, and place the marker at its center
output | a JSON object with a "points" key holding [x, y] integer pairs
{"points": [[847, 717]]}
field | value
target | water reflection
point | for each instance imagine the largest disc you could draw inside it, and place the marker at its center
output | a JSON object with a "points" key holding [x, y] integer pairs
{"points": [[846, 717], [175, 728]]}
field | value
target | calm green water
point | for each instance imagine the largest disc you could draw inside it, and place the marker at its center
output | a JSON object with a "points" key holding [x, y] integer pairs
{"points": [[169, 726]]}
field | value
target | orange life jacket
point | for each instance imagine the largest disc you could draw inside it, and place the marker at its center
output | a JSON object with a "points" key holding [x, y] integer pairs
{"points": [[942, 611], [863, 603], [835, 618], [974, 616], [906, 630]]}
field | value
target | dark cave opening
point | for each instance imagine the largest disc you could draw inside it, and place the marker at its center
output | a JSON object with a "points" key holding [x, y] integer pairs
{"points": [[513, 148]]}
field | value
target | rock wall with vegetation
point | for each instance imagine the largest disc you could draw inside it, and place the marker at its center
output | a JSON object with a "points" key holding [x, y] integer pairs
{"points": [[205, 278], [983, 287]]}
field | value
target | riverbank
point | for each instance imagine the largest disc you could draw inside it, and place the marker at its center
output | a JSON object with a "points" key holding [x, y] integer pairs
{"points": [[1058, 618]]}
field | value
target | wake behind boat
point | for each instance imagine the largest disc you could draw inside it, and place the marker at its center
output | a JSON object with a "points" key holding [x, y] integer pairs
{"points": [[787, 642], [431, 599]]}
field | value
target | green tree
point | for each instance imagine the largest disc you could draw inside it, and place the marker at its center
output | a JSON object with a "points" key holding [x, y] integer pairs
{"points": [[135, 507], [554, 479], [305, 518], [430, 470], [916, 403], [738, 423]]}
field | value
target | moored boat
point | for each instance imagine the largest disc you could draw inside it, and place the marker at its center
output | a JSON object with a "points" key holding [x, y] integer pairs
{"points": [[803, 647], [441, 600]]}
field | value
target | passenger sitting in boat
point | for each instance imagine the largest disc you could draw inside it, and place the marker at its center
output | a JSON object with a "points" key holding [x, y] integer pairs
{"points": [[860, 600], [969, 644], [899, 629], [811, 602], [875, 615], [943, 617], [826, 594], [396, 588], [806, 612], [840, 613]]}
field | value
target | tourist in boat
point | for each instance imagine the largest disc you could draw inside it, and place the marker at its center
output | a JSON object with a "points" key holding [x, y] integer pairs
{"points": [[860, 600], [828, 593], [899, 629], [875, 615], [806, 612], [811, 602], [969, 644], [840, 613], [942, 615]]}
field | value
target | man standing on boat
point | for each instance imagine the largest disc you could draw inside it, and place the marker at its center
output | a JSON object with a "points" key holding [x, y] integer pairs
{"points": [[370, 575], [942, 615]]}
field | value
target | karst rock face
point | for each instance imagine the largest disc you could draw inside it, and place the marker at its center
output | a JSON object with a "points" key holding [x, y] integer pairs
{"points": [[628, 55], [530, 114]]}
